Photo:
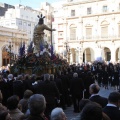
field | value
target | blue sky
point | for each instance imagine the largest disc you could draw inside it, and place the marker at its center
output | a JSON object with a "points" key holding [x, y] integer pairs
{"points": [[31, 3]]}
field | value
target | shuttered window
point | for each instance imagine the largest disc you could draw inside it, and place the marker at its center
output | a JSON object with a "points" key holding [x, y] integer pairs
{"points": [[60, 34], [119, 30], [104, 8], [88, 33], [104, 31], [72, 33], [72, 12], [89, 10]]}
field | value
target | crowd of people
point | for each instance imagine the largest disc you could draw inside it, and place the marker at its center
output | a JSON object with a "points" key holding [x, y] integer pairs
{"points": [[45, 97]]}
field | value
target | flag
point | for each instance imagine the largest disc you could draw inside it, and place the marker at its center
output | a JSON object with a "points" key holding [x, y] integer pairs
{"points": [[52, 54], [23, 49], [41, 47], [30, 47], [51, 49], [20, 50]]}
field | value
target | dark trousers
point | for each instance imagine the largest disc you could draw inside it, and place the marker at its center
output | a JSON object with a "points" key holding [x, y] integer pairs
{"points": [[76, 99], [49, 108]]}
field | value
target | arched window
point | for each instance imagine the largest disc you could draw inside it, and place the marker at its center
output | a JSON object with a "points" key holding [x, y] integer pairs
{"points": [[104, 29], [119, 29], [5, 57], [72, 32], [88, 31]]}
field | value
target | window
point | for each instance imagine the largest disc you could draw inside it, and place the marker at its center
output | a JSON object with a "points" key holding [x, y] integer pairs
{"points": [[12, 23], [88, 33], [60, 34], [29, 24], [89, 10], [72, 12], [7, 23], [29, 32], [104, 31], [104, 8], [72, 33], [119, 30], [25, 24], [60, 26], [20, 22]]}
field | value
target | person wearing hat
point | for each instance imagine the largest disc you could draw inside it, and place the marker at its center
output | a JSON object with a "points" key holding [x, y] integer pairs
{"points": [[38, 35]]}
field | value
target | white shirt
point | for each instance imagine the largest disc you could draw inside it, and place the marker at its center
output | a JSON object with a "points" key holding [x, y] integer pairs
{"points": [[112, 105], [93, 95]]}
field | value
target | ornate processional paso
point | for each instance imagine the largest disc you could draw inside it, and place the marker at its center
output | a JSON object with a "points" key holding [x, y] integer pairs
{"points": [[41, 58]]}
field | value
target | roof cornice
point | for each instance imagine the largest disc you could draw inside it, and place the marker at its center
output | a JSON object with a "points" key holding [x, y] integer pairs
{"points": [[80, 2]]}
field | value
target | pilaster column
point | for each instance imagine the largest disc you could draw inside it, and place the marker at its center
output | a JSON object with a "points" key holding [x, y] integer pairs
{"points": [[113, 58], [118, 54], [78, 57], [0, 57]]}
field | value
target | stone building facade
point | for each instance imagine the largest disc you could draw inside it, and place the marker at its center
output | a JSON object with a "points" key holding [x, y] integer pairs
{"points": [[88, 29], [10, 37]]}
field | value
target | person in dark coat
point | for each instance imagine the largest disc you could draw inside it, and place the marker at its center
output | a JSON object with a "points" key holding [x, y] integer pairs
{"points": [[100, 75], [91, 111], [10, 84], [18, 87], [4, 88], [115, 79], [94, 89], [24, 102], [60, 88], [65, 82], [105, 78], [88, 80], [112, 108], [27, 82], [12, 105], [50, 91], [110, 73], [76, 91]]}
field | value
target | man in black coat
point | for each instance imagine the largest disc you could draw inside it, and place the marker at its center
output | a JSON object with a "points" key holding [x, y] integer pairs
{"points": [[112, 108], [94, 89], [18, 87], [76, 91], [65, 84], [50, 91]]}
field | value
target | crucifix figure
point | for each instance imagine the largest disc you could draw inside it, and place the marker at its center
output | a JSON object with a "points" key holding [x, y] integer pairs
{"points": [[38, 35]]}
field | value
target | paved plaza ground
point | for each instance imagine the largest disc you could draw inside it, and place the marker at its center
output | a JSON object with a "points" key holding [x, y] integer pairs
{"points": [[69, 111]]}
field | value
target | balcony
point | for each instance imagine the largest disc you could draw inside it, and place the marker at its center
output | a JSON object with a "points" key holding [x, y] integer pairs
{"points": [[104, 38]]}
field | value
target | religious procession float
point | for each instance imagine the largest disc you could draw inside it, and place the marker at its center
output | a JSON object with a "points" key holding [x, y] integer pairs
{"points": [[41, 58]]}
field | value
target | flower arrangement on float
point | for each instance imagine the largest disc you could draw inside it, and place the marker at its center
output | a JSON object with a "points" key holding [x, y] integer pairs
{"points": [[47, 61]]}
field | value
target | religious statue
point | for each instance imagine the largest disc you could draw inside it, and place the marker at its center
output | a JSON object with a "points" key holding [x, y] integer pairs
{"points": [[38, 35]]}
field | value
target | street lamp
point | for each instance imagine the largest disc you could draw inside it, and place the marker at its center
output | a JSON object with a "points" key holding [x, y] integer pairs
{"points": [[81, 51], [10, 53], [68, 51]]}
